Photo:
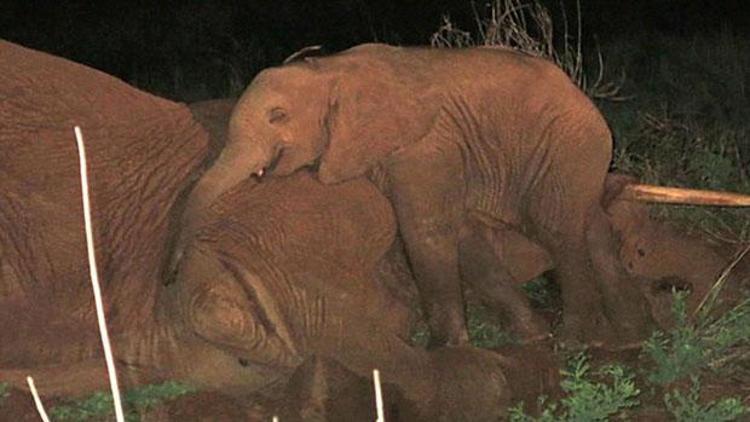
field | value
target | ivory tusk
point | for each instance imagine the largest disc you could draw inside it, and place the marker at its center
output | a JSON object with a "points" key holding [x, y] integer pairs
{"points": [[260, 172], [670, 195]]}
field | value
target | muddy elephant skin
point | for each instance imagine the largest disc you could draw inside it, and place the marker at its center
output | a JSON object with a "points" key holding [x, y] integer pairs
{"points": [[142, 152], [451, 133], [276, 273]]}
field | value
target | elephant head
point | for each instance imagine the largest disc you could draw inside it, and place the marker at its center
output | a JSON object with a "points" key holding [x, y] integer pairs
{"points": [[333, 112]]}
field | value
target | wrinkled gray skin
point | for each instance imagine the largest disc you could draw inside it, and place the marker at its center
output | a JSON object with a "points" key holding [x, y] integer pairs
{"points": [[459, 140]]}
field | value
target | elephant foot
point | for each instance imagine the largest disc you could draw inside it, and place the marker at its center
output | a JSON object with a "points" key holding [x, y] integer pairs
{"points": [[472, 386], [531, 329], [448, 328], [579, 333]]}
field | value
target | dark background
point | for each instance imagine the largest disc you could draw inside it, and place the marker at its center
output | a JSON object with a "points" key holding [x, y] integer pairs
{"points": [[198, 49]]}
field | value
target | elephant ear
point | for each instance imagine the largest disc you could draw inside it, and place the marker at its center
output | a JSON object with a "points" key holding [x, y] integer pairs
{"points": [[375, 109]]}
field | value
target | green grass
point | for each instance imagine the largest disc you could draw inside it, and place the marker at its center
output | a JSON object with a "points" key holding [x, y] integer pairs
{"points": [[4, 391], [688, 407], [100, 405], [588, 398], [703, 342], [542, 292], [484, 331]]}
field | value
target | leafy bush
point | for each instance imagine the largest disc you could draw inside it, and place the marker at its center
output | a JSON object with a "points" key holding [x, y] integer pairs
{"points": [[483, 330], [587, 400], [688, 408], [100, 404], [708, 342]]}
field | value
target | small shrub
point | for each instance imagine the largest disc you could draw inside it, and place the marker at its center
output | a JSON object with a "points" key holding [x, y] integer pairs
{"points": [[708, 342], [587, 400], [420, 335], [4, 391], [99, 404], [484, 331], [687, 408]]}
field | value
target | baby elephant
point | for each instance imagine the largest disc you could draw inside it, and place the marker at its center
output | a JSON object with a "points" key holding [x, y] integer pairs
{"points": [[451, 134]]}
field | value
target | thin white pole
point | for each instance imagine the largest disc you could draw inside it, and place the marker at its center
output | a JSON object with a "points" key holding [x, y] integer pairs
{"points": [[378, 395], [37, 400], [119, 415]]}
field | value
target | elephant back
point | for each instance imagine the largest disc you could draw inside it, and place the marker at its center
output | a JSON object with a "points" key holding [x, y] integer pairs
{"points": [[141, 150]]}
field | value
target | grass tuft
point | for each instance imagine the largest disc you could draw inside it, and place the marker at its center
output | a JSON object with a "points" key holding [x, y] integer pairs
{"points": [[587, 399], [99, 405], [688, 408], [706, 342], [4, 391]]}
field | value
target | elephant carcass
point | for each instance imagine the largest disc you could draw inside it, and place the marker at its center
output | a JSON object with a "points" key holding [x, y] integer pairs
{"points": [[142, 153]]}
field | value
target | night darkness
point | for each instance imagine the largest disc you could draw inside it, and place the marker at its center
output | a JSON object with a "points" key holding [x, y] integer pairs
{"points": [[215, 47]]}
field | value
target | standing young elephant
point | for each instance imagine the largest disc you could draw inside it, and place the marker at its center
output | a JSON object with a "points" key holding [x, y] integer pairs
{"points": [[486, 132]]}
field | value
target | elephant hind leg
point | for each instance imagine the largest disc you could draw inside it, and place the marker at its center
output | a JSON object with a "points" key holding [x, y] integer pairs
{"points": [[483, 261]]}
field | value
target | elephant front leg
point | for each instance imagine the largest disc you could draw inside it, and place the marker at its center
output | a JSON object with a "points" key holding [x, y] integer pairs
{"points": [[428, 195]]}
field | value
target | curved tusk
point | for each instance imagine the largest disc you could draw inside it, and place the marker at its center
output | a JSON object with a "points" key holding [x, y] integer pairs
{"points": [[260, 172], [670, 195]]}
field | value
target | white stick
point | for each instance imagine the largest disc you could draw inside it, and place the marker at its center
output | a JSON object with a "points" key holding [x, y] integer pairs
{"points": [[37, 400], [119, 415], [378, 395]]}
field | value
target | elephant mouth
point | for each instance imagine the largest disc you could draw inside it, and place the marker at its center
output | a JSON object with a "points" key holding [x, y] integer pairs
{"points": [[273, 162], [288, 166]]}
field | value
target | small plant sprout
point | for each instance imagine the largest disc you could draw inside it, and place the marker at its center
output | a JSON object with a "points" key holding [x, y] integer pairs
{"points": [[119, 414]]}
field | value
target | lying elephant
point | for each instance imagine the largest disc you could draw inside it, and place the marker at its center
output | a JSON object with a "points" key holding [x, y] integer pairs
{"points": [[143, 153], [277, 274], [453, 133]]}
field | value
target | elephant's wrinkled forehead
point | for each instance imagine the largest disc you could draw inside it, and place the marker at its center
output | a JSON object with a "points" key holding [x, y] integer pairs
{"points": [[280, 79]]}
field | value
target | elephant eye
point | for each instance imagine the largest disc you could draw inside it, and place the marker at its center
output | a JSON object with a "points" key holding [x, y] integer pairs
{"points": [[277, 115]]}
